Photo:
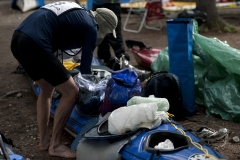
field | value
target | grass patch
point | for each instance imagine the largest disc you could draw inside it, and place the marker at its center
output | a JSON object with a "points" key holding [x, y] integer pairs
{"points": [[219, 25]]}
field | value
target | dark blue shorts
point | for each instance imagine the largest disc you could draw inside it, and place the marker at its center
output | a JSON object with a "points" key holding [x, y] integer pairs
{"points": [[37, 62]]}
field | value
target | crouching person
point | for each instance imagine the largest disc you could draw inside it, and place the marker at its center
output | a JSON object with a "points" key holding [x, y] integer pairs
{"points": [[64, 26]]}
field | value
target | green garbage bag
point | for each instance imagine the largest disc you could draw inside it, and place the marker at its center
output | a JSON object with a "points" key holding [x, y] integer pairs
{"points": [[162, 61], [222, 97], [220, 82], [227, 56]]}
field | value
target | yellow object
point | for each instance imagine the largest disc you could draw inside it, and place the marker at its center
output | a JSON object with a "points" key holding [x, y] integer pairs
{"points": [[70, 65], [82, 2], [133, 5]]}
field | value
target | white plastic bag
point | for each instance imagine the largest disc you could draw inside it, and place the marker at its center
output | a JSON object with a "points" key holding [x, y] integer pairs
{"points": [[166, 145], [133, 117]]}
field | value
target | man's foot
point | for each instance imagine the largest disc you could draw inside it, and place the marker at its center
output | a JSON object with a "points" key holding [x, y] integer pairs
{"points": [[61, 151], [44, 143], [43, 147]]}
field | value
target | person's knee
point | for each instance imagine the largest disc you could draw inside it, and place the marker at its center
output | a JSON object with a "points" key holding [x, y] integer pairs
{"points": [[46, 88], [69, 90], [75, 94], [71, 93]]}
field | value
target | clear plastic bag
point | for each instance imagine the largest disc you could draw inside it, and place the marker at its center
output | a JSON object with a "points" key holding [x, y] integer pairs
{"points": [[92, 92]]}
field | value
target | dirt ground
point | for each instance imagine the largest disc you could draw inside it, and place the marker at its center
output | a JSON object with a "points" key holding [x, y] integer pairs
{"points": [[18, 111]]}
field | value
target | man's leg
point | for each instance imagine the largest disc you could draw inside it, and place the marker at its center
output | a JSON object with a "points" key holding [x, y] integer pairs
{"points": [[69, 92], [43, 113], [117, 43], [103, 50]]}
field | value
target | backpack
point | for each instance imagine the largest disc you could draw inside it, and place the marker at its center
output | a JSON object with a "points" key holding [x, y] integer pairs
{"points": [[166, 85]]}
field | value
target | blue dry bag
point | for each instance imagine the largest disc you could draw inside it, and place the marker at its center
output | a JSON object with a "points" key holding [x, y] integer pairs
{"points": [[180, 42], [123, 85]]}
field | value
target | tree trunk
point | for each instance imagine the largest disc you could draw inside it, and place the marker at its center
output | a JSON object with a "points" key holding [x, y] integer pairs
{"points": [[208, 6], [214, 22]]}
